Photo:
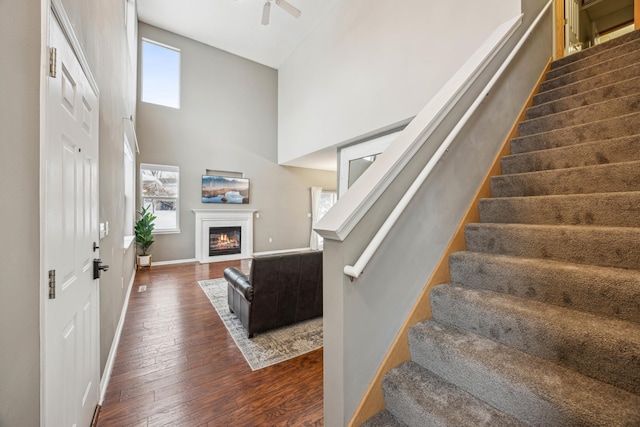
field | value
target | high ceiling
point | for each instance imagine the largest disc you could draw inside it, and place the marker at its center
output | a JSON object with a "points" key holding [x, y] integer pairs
{"points": [[235, 25]]}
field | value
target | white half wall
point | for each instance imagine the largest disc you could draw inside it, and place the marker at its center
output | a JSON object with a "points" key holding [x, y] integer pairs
{"points": [[372, 63]]}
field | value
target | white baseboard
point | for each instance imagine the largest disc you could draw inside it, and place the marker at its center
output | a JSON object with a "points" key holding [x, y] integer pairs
{"points": [[175, 261], [104, 381]]}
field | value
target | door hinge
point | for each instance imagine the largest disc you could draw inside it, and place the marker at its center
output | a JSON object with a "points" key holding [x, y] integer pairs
{"points": [[53, 59], [52, 284]]}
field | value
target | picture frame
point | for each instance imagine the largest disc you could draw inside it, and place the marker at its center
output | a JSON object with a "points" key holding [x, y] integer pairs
{"points": [[225, 190]]}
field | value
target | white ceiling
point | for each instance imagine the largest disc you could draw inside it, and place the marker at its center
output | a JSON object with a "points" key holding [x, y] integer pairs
{"points": [[234, 25]]}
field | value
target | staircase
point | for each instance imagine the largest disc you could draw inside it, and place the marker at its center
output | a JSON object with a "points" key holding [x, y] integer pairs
{"points": [[540, 325]]}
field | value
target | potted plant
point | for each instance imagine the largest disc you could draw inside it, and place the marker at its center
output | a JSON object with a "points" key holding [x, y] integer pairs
{"points": [[144, 235]]}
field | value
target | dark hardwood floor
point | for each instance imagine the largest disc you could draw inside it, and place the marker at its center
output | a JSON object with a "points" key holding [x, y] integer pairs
{"points": [[176, 364]]}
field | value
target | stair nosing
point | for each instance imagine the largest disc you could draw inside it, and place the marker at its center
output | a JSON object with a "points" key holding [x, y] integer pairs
{"points": [[594, 106], [583, 69], [602, 47], [585, 93], [591, 57], [528, 373], [575, 168]]}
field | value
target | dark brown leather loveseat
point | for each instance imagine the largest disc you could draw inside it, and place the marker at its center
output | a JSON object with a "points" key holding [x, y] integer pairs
{"points": [[281, 289]]}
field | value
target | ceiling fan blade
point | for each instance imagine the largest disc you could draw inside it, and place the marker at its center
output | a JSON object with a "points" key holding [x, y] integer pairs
{"points": [[266, 12], [289, 8]]}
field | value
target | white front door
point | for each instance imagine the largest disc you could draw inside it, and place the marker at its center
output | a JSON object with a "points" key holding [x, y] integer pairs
{"points": [[70, 327]]}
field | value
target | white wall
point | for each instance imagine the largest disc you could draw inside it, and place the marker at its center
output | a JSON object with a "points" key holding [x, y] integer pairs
{"points": [[373, 63], [227, 121]]}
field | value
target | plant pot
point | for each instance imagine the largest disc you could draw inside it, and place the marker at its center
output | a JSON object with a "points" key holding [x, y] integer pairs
{"points": [[144, 261]]}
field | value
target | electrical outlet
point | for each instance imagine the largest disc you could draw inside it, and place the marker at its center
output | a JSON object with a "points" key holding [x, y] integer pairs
{"points": [[257, 215], [270, 239]]}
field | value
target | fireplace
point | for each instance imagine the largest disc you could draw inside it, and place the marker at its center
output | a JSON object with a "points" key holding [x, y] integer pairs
{"points": [[224, 240], [224, 234]]}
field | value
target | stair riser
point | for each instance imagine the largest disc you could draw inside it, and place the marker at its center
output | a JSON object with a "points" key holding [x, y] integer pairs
{"points": [[578, 56], [538, 393], [606, 292], [592, 71], [585, 343], [616, 177], [624, 88], [598, 58], [608, 210], [583, 86], [606, 247], [617, 127], [603, 110], [588, 154], [417, 398]]}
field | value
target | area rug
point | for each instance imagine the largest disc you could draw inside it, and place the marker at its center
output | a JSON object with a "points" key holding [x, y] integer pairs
{"points": [[270, 347]]}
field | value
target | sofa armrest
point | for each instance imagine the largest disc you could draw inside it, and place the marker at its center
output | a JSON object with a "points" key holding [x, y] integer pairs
{"points": [[239, 281]]}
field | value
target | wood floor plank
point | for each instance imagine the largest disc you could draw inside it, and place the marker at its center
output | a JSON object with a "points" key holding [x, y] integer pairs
{"points": [[178, 366]]}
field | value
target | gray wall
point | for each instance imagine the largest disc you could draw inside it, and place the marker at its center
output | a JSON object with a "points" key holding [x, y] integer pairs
{"points": [[227, 121], [19, 170], [363, 317], [100, 29]]}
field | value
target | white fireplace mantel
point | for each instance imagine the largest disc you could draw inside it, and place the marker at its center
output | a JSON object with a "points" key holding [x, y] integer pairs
{"points": [[206, 218]]}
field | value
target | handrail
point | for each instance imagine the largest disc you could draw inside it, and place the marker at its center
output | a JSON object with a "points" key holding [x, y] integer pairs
{"points": [[354, 271]]}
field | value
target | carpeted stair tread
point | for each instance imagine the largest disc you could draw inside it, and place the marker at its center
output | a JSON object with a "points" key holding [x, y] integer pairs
{"points": [[603, 209], [613, 292], [592, 70], [418, 398], [602, 348], [591, 97], [617, 150], [601, 80], [531, 389], [607, 178], [593, 59], [603, 110], [382, 419], [601, 246], [616, 127], [626, 38]]}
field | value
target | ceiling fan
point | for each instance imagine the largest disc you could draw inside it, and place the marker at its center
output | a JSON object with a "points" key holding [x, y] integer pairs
{"points": [[266, 10]]}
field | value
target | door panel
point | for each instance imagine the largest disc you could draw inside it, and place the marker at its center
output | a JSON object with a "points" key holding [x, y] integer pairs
{"points": [[71, 326]]}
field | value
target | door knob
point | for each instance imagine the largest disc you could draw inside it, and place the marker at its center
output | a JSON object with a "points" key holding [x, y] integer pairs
{"points": [[98, 267]]}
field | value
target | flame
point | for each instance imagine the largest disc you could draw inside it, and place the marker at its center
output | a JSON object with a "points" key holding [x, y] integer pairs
{"points": [[224, 241]]}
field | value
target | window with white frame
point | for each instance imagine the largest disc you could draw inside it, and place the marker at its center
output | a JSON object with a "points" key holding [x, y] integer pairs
{"points": [[160, 74], [160, 189], [129, 192], [327, 200]]}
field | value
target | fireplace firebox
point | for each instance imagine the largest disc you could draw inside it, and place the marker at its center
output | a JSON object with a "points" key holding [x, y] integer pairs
{"points": [[225, 240]]}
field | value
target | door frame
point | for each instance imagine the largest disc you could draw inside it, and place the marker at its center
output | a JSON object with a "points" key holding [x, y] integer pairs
{"points": [[559, 25], [52, 9]]}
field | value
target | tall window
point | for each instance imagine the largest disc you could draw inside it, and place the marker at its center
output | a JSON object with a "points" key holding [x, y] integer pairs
{"points": [[327, 200], [160, 189], [129, 192], [160, 74]]}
